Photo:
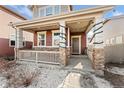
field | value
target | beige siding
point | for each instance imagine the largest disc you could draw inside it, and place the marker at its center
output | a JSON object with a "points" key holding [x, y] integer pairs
{"points": [[114, 30], [6, 31]]}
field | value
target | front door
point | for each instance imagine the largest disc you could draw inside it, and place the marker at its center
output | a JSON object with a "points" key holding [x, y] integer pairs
{"points": [[76, 42]]}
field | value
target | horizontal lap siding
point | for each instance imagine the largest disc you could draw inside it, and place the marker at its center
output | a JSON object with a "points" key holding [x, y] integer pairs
{"points": [[5, 50]]}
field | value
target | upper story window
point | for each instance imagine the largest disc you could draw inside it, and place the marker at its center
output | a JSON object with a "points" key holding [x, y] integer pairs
{"points": [[49, 11], [57, 9], [42, 12]]}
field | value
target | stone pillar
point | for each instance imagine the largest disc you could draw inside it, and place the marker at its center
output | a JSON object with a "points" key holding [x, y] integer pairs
{"points": [[62, 47], [18, 42], [98, 48]]}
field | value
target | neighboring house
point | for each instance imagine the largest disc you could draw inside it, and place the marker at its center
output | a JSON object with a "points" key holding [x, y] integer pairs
{"points": [[58, 33], [114, 39], [7, 34]]}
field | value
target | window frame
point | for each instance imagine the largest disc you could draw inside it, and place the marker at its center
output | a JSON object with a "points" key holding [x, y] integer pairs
{"points": [[40, 12], [11, 39], [53, 10], [119, 38], [44, 32], [58, 11], [55, 31]]}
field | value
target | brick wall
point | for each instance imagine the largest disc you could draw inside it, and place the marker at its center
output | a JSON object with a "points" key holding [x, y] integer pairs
{"points": [[5, 50], [35, 38], [49, 38]]}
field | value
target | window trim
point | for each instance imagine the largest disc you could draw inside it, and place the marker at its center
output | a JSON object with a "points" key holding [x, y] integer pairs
{"points": [[55, 31], [44, 32]]}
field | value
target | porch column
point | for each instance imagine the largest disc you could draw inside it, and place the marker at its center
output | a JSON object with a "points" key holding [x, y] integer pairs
{"points": [[68, 37], [18, 42], [68, 46], [62, 47], [98, 50]]}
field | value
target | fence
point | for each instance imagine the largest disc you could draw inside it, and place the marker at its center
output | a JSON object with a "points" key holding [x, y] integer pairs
{"points": [[114, 53], [39, 56]]}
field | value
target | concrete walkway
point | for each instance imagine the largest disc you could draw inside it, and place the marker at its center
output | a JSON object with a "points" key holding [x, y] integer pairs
{"points": [[79, 69], [80, 62]]}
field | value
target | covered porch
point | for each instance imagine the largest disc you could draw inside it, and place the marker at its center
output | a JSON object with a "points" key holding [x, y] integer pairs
{"points": [[56, 38], [54, 43]]}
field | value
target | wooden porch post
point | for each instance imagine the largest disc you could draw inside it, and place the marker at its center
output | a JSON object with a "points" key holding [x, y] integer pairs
{"points": [[62, 47]]}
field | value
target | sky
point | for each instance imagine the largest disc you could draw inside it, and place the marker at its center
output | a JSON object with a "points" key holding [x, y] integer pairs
{"points": [[24, 11]]}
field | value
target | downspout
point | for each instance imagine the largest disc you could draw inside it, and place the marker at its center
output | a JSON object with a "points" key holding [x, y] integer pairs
{"points": [[15, 48]]}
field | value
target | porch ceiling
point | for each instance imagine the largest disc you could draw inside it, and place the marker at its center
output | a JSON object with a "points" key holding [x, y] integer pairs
{"points": [[78, 25], [74, 26]]}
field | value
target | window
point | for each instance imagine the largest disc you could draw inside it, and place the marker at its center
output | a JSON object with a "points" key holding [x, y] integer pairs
{"points": [[42, 39], [57, 9], [12, 41], [118, 39], [48, 11], [41, 12], [107, 42], [112, 40], [56, 38]]}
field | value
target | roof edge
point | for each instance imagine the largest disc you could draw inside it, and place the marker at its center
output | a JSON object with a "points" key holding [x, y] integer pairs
{"points": [[5, 9]]}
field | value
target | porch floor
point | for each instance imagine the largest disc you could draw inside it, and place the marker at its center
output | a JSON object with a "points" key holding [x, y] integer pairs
{"points": [[80, 62]]}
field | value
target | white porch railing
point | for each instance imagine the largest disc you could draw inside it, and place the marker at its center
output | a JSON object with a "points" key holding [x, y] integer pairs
{"points": [[39, 56]]}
